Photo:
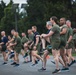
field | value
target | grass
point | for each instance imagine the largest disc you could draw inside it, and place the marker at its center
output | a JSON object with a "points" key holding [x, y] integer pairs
{"points": [[74, 54]]}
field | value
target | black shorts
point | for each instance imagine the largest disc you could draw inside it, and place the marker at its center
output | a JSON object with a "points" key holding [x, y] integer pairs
{"points": [[3, 48]]}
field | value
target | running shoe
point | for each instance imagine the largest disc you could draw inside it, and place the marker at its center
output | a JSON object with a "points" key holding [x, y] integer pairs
{"points": [[12, 55], [4, 63], [13, 63], [53, 62], [16, 65], [65, 70], [36, 62], [72, 63], [42, 69], [33, 64], [26, 54], [56, 71]]}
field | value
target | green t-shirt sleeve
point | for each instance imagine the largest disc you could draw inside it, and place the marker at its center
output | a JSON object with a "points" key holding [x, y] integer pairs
{"points": [[24, 40], [74, 36], [71, 32], [18, 41], [31, 37], [53, 29], [64, 27]]}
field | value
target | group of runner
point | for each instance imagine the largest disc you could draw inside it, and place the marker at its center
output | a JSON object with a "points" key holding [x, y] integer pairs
{"points": [[60, 40]]}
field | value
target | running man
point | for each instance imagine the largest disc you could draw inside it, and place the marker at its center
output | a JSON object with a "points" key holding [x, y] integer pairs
{"points": [[63, 37], [70, 43], [46, 40], [36, 39], [4, 40], [55, 43], [23, 41], [44, 46], [17, 49]]}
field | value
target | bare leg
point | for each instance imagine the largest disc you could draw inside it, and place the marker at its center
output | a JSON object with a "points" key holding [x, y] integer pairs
{"points": [[70, 57], [56, 58], [43, 43], [64, 57], [44, 59]]}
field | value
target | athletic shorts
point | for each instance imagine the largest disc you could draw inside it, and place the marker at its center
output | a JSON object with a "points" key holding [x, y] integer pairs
{"points": [[18, 49], [70, 45], [55, 44], [3, 48], [62, 44]]}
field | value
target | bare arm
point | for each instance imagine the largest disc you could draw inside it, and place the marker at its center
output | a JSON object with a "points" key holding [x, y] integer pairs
{"points": [[70, 38], [14, 44], [64, 31], [49, 34], [1, 43], [37, 41], [11, 40]]}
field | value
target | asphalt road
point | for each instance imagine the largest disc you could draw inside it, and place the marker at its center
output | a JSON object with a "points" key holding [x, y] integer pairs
{"points": [[28, 69]]}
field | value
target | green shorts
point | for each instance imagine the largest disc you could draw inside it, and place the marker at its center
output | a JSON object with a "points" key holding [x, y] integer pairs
{"points": [[70, 45], [62, 44], [38, 48], [18, 49], [55, 44]]}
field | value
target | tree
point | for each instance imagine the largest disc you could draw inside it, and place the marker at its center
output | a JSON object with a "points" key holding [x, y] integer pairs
{"points": [[40, 11], [7, 21], [2, 7]]}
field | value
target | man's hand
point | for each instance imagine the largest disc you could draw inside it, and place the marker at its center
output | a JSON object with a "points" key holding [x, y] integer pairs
{"points": [[66, 45]]}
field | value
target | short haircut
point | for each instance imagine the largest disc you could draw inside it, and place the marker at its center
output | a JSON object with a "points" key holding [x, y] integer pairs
{"points": [[3, 32], [68, 21], [48, 23], [13, 30], [63, 18], [54, 18], [35, 27]]}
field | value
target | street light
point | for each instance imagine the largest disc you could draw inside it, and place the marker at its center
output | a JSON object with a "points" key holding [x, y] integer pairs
{"points": [[23, 6], [15, 9]]}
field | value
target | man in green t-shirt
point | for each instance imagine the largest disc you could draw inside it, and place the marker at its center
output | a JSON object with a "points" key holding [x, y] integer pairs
{"points": [[30, 42], [63, 37], [10, 42], [24, 40], [31, 38], [17, 48], [55, 43], [46, 41], [74, 37], [70, 43]]}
